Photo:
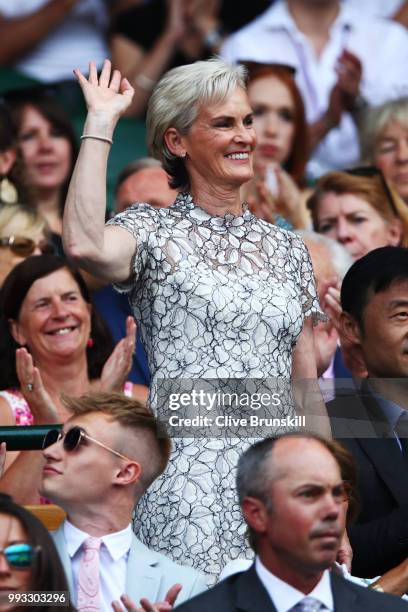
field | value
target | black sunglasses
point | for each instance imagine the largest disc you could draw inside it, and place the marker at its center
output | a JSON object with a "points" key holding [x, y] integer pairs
{"points": [[73, 438], [24, 247], [369, 172], [20, 556]]}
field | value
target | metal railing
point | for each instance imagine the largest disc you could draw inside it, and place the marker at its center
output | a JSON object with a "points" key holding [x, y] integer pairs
{"points": [[27, 437]]}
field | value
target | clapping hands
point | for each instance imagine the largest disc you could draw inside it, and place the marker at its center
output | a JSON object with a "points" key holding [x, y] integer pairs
{"points": [[146, 605], [116, 369], [31, 385]]}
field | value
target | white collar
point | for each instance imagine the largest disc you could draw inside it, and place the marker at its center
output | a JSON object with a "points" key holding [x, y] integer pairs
{"points": [[278, 17], [117, 543], [285, 597]]}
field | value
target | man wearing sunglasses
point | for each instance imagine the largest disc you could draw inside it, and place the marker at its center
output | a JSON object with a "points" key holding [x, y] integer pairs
{"points": [[97, 468]]}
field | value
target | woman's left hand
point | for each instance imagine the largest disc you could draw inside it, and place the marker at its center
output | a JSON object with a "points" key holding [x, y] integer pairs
{"points": [[289, 199], [117, 367]]}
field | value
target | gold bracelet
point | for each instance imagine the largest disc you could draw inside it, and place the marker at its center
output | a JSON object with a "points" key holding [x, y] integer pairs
{"points": [[103, 138], [377, 587]]}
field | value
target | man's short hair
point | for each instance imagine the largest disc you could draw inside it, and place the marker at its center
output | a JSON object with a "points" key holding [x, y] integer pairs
{"points": [[373, 273], [254, 477], [133, 168], [133, 416]]}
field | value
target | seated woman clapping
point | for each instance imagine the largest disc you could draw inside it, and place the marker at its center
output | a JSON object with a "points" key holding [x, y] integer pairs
{"points": [[52, 342]]}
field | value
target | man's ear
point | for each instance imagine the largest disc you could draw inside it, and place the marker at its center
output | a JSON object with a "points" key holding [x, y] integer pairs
{"points": [[129, 473], [350, 329], [16, 332], [174, 142], [255, 514]]}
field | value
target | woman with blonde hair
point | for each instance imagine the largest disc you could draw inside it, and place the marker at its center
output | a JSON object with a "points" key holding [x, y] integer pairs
{"points": [[359, 209], [23, 232], [219, 293], [384, 142]]}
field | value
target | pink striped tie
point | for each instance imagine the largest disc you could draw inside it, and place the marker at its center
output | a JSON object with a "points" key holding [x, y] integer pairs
{"points": [[88, 576]]}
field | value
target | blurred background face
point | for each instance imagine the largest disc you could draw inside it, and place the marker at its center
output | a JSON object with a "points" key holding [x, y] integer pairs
{"points": [[46, 151], [274, 120], [11, 579], [391, 156], [20, 227], [150, 185], [354, 223]]}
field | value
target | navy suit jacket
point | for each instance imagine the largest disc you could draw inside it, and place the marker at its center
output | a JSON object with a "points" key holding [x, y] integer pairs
{"points": [[379, 538], [244, 592]]}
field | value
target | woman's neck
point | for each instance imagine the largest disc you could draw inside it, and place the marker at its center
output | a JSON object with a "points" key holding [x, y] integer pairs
{"points": [[314, 20], [48, 205], [216, 200]]}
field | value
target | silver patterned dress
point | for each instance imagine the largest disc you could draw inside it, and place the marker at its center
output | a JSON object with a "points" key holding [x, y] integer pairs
{"points": [[214, 297]]}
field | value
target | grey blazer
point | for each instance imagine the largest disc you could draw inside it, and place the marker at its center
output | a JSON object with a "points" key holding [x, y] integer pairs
{"points": [[149, 574]]}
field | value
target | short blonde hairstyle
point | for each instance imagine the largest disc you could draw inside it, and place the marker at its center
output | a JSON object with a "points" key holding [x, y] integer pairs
{"points": [[154, 445], [17, 220], [176, 101]]}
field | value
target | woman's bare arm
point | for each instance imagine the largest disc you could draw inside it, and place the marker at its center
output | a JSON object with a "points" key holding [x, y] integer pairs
{"points": [[106, 252], [20, 35]]}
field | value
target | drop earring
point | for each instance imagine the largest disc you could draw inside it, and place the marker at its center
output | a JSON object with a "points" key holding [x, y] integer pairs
{"points": [[8, 192]]}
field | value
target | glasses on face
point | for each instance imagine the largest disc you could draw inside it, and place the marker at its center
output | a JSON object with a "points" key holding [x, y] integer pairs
{"points": [[24, 247], [20, 556], [73, 438], [369, 172]]}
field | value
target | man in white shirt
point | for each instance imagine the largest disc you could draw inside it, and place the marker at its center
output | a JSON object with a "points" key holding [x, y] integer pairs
{"points": [[294, 501], [47, 39], [343, 59], [97, 468]]}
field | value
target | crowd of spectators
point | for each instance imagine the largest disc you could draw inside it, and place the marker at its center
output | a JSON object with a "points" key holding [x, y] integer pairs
{"points": [[328, 87]]}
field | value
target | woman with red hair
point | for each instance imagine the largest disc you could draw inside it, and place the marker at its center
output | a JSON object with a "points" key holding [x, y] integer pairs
{"points": [[282, 145]]}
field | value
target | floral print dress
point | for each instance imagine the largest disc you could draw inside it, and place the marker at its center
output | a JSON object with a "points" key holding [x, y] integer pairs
{"points": [[215, 297]]}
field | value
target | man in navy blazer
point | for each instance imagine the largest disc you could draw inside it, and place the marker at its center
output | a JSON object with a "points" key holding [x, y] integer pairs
{"points": [[294, 502], [370, 421], [97, 468]]}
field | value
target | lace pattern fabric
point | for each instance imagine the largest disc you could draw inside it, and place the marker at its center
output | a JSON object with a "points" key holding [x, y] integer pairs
{"points": [[215, 297]]}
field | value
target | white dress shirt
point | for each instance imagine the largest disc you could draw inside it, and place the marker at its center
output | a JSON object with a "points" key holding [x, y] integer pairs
{"points": [[379, 8], [381, 45], [284, 596], [114, 553]]}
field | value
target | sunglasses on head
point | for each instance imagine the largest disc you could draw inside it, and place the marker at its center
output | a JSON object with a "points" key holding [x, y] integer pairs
{"points": [[73, 438], [369, 172], [20, 556], [24, 247]]}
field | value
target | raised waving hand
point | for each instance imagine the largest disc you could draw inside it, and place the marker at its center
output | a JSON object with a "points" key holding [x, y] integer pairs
{"points": [[107, 94]]}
